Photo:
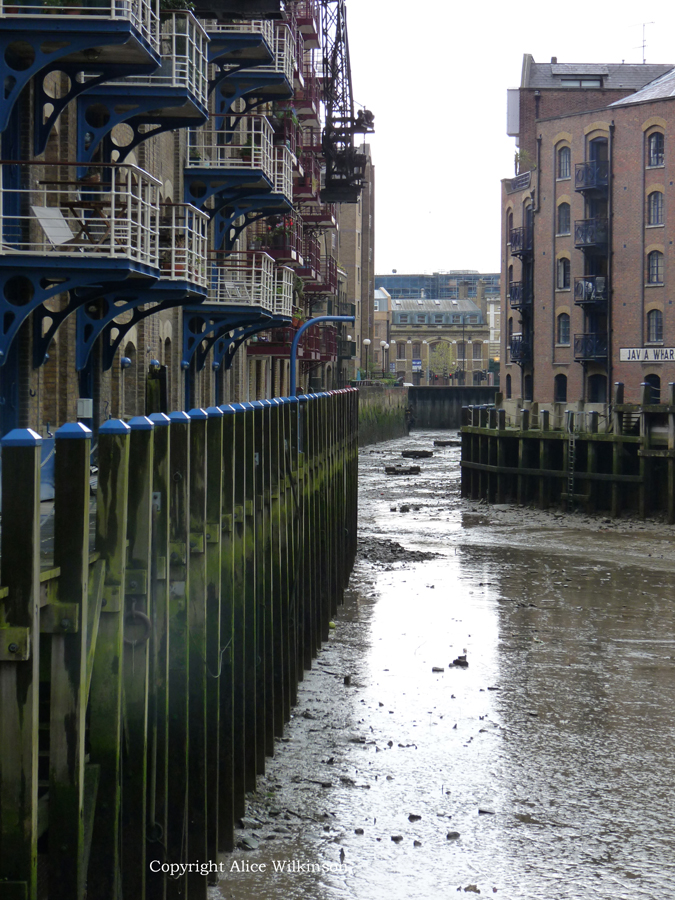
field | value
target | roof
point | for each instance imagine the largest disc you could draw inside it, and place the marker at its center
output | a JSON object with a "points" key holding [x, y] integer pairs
{"points": [[615, 76], [430, 305], [659, 89]]}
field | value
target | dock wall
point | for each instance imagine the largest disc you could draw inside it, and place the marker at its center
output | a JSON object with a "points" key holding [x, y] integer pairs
{"points": [[441, 407], [382, 413]]}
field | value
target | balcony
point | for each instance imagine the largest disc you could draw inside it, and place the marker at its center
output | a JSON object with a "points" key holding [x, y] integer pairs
{"points": [[306, 188], [283, 172], [183, 243], [243, 278], [520, 295], [346, 349], [590, 290], [311, 256], [326, 280], [277, 342], [323, 215], [281, 238], [247, 147], [283, 291], [521, 241], [328, 348], [284, 55], [110, 214], [590, 347], [590, 234], [248, 41], [521, 349], [308, 17], [593, 175], [238, 9]]}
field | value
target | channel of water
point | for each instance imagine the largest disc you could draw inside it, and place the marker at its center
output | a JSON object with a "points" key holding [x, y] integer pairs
{"points": [[544, 769]]}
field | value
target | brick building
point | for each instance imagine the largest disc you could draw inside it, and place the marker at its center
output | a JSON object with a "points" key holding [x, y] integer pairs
{"points": [[587, 257]]}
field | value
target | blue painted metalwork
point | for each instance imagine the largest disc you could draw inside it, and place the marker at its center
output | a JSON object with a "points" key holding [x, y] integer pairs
{"points": [[206, 324], [159, 419], [135, 106], [114, 426], [72, 431], [29, 45], [226, 343], [252, 86], [301, 331], [198, 413], [238, 48], [141, 423]]}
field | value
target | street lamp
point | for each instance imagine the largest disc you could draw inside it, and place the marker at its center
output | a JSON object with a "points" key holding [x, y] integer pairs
{"points": [[366, 344], [385, 346], [427, 351]]}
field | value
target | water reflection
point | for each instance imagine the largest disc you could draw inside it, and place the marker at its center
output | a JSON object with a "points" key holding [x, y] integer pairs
{"points": [[543, 770]]}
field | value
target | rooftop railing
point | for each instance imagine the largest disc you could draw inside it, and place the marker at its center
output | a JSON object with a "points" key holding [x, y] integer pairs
{"points": [[247, 146], [141, 13], [183, 243], [243, 278], [113, 211], [183, 48]]}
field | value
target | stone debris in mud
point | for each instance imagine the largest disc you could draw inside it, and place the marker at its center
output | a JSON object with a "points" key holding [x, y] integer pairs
{"points": [[383, 552], [402, 470], [417, 454]]}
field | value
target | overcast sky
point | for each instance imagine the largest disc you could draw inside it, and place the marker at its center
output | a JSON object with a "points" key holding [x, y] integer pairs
{"points": [[435, 75]]}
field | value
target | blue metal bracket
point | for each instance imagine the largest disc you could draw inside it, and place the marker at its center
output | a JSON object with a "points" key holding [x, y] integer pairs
{"points": [[301, 331], [43, 123], [206, 323], [226, 345], [27, 283], [29, 45], [165, 108], [250, 85]]}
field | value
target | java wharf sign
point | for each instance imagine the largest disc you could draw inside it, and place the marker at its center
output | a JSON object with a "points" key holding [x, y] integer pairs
{"points": [[647, 354]]}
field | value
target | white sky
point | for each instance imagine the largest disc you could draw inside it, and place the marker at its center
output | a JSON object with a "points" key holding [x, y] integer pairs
{"points": [[435, 75]]}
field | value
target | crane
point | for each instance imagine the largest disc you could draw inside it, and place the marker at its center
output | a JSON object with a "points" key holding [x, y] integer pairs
{"points": [[345, 164]]}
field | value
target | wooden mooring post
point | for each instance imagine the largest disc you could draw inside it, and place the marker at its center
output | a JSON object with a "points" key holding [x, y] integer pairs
{"points": [[145, 672]]}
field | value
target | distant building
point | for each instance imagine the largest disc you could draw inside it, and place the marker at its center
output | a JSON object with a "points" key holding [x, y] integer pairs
{"points": [[442, 285]]}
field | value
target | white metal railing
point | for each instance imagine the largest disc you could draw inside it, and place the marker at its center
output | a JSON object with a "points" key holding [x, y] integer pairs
{"points": [[283, 172], [283, 297], [183, 243], [284, 53], [243, 278], [141, 13], [264, 27], [248, 146], [183, 47], [112, 211]]}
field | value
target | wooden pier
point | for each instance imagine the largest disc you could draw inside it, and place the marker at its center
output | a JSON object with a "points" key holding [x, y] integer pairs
{"points": [[626, 462], [143, 681]]}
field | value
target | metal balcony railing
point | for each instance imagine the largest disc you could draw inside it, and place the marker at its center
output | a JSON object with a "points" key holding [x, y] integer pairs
{"points": [[307, 185], [111, 212], [308, 17], [280, 236], [183, 243], [322, 215], [283, 291], [590, 233], [521, 349], [183, 47], [591, 289], [346, 349], [520, 295], [140, 13], [329, 342], [521, 241], [243, 278], [326, 281], [283, 172], [284, 60], [591, 175], [590, 346], [311, 255], [263, 27], [247, 146]]}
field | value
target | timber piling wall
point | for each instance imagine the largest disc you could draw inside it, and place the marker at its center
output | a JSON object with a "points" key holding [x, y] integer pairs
{"points": [[143, 683], [441, 406], [382, 413], [623, 461]]}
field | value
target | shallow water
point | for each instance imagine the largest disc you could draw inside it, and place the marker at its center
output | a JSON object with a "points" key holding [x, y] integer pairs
{"points": [[551, 755]]}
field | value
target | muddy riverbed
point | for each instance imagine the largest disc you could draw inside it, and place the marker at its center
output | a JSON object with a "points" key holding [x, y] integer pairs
{"points": [[544, 768]]}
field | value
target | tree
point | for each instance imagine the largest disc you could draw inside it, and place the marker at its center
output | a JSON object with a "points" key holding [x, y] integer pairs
{"points": [[441, 360]]}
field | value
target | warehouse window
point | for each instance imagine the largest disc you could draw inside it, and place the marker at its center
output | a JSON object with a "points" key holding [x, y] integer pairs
{"points": [[654, 325], [560, 389], [564, 218], [563, 335], [564, 162], [655, 149], [655, 267], [563, 273], [655, 208]]}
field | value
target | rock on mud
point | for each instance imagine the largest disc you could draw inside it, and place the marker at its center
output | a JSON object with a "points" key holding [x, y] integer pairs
{"points": [[384, 552]]}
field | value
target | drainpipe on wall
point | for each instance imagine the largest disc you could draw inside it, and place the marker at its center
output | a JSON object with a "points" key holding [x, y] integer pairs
{"points": [[610, 252]]}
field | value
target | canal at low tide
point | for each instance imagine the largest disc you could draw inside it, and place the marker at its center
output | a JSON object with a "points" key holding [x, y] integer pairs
{"points": [[545, 769]]}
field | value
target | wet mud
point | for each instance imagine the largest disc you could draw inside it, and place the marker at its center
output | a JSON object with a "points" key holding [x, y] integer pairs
{"points": [[543, 768]]}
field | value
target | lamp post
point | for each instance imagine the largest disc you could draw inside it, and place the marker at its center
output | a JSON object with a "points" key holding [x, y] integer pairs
{"points": [[427, 351], [366, 344], [385, 346]]}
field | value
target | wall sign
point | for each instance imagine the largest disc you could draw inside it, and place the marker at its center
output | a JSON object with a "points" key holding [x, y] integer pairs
{"points": [[647, 354]]}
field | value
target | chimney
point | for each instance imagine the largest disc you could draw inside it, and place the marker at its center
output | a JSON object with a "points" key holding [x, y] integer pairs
{"points": [[464, 290], [481, 300], [554, 60]]}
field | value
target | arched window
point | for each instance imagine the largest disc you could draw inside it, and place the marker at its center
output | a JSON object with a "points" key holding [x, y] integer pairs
{"points": [[560, 389], [563, 329], [508, 387], [564, 162], [509, 225], [655, 149], [655, 267], [597, 388], [563, 273], [564, 218], [654, 393], [655, 208], [655, 325], [416, 350]]}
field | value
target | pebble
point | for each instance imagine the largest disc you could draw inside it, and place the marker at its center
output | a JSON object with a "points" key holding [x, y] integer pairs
{"points": [[452, 835], [397, 838], [358, 831]]}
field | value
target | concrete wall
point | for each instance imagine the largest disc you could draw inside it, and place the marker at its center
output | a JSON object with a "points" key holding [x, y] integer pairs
{"points": [[381, 413], [441, 407]]}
